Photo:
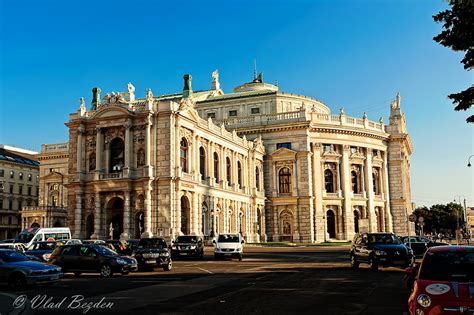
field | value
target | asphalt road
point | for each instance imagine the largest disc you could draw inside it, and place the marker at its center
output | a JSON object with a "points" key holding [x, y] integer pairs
{"points": [[276, 280]]}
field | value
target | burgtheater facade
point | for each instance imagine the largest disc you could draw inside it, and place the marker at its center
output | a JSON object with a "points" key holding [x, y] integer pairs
{"points": [[271, 165]]}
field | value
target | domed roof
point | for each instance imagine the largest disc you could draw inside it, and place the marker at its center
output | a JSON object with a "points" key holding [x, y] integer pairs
{"points": [[256, 85]]}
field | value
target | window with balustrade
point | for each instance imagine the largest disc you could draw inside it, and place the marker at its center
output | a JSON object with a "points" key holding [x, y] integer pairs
{"points": [[183, 155], [284, 180], [329, 181]]}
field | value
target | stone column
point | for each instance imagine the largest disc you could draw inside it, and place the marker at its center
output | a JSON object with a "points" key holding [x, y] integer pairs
{"points": [[210, 163], [275, 180], [99, 146], [384, 170], [97, 218], [346, 186], [128, 149], [147, 205], [294, 177], [78, 215], [126, 217], [370, 192], [80, 132], [319, 212], [148, 167]]}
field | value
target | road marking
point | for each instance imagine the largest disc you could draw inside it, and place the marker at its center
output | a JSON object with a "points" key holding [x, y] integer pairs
{"points": [[205, 270]]}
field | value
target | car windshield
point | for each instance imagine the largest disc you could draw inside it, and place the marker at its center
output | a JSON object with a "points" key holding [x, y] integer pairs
{"points": [[228, 238], [105, 251], [24, 237], [152, 243], [43, 246], [383, 239], [448, 266], [12, 256], [186, 239]]}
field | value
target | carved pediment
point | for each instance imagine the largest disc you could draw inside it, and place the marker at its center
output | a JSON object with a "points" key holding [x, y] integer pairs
{"points": [[54, 177], [283, 154], [110, 111]]}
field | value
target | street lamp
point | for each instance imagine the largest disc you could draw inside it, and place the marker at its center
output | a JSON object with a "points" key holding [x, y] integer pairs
{"points": [[469, 160]]}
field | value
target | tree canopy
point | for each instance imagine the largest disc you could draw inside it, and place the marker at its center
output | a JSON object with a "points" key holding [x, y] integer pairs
{"points": [[441, 218], [458, 34]]}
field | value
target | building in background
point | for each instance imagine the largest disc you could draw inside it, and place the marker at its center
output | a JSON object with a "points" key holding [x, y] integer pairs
{"points": [[470, 220], [19, 170], [51, 210]]}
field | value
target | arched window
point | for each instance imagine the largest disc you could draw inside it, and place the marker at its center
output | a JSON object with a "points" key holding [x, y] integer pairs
{"points": [[91, 162], [355, 182], [284, 177], [216, 167], [329, 181], [183, 155], [202, 163], [117, 147], [228, 170], [239, 174], [257, 178], [185, 213], [375, 182]]}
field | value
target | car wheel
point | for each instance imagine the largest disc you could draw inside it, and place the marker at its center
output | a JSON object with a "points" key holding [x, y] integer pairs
{"points": [[17, 282], [373, 264], [354, 262], [168, 266], [106, 271]]}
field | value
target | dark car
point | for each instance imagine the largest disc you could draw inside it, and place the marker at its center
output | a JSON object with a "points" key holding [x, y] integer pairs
{"points": [[79, 258], [443, 283], [153, 252], [188, 246], [380, 249], [17, 270], [420, 244], [41, 250]]}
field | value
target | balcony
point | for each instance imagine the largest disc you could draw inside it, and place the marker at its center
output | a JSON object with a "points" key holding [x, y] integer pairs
{"points": [[115, 175]]}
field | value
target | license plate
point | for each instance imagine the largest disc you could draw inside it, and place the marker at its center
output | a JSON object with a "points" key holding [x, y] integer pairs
{"points": [[150, 261]]}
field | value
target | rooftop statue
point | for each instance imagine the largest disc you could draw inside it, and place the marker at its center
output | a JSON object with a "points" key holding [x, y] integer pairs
{"points": [[215, 80], [149, 95]]}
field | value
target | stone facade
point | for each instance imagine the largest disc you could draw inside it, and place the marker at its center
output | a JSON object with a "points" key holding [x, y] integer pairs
{"points": [[51, 210], [19, 170]]}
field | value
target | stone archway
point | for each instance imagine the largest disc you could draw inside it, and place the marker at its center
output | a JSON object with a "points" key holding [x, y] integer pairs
{"points": [[185, 215], [89, 225], [331, 223], [286, 226], [115, 218]]}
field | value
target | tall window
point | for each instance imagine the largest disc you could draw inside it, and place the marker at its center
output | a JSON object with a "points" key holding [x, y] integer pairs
{"points": [[12, 174], [140, 157], [257, 178], [183, 155], [29, 191], [284, 177], [117, 148], [2, 173], [11, 189], [375, 182], [239, 173], [29, 177], [91, 162], [20, 190], [1, 203], [355, 182], [202, 163], [228, 170], [20, 175], [284, 145], [216, 167], [329, 181]]}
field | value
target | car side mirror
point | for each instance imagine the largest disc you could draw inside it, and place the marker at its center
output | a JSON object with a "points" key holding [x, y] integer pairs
{"points": [[242, 242], [213, 241]]}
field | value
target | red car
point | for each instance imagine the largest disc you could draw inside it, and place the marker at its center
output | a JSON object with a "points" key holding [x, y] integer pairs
{"points": [[444, 282]]}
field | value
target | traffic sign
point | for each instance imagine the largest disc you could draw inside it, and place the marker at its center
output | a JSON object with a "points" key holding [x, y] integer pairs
{"points": [[421, 219]]}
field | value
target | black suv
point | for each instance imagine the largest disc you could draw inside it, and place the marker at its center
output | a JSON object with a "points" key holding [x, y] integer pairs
{"points": [[79, 258], [151, 253], [380, 249], [187, 246]]}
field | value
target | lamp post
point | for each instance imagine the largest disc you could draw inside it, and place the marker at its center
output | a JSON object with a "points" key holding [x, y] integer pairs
{"points": [[469, 160]]}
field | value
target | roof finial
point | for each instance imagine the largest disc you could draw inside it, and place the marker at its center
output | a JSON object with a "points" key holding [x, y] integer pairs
{"points": [[255, 69]]}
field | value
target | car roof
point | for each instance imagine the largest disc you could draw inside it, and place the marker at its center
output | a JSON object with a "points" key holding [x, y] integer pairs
{"points": [[452, 248]]}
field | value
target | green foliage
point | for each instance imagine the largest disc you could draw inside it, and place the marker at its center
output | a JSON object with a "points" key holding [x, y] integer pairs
{"points": [[458, 34], [441, 218]]}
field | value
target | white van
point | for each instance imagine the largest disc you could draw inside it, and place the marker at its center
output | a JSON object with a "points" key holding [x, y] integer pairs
{"points": [[228, 245], [28, 236]]}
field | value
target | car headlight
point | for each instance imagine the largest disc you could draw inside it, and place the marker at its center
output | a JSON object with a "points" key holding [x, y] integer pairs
{"points": [[121, 261], [192, 247], [165, 254], [424, 300], [238, 250], [380, 253], [46, 256]]}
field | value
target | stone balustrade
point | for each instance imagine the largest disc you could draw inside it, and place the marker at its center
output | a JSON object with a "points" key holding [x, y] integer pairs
{"points": [[53, 148]]}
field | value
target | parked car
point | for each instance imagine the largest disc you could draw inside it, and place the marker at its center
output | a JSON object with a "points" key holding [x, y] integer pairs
{"points": [[420, 244], [93, 242], [187, 246], [72, 242], [31, 235], [17, 270], [79, 258], [443, 282], [153, 252], [16, 246], [379, 249], [228, 245], [41, 250]]}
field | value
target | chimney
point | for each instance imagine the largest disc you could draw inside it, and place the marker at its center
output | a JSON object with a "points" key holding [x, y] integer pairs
{"points": [[187, 90], [95, 98]]}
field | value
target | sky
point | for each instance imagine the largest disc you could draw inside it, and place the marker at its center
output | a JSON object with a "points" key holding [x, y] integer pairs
{"points": [[351, 54]]}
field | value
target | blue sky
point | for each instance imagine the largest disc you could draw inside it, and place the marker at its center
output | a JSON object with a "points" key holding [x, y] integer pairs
{"points": [[356, 54]]}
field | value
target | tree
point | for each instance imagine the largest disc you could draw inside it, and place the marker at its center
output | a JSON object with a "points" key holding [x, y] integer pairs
{"points": [[441, 218], [458, 34]]}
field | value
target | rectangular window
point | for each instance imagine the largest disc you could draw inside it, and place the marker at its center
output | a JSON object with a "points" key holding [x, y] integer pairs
{"points": [[11, 189], [211, 115], [20, 190], [284, 145], [232, 113], [12, 174], [10, 204], [255, 110], [20, 175], [1, 204], [29, 191], [2, 173], [29, 177]]}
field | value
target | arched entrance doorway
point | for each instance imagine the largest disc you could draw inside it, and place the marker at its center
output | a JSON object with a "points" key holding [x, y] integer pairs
{"points": [[115, 218], [356, 221], [89, 225], [331, 223], [185, 213], [139, 224], [35, 225]]}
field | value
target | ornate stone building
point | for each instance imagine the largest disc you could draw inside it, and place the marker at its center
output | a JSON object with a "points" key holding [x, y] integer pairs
{"points": [[273, 165], [51, 210], [152, 166], [18, 187]]}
